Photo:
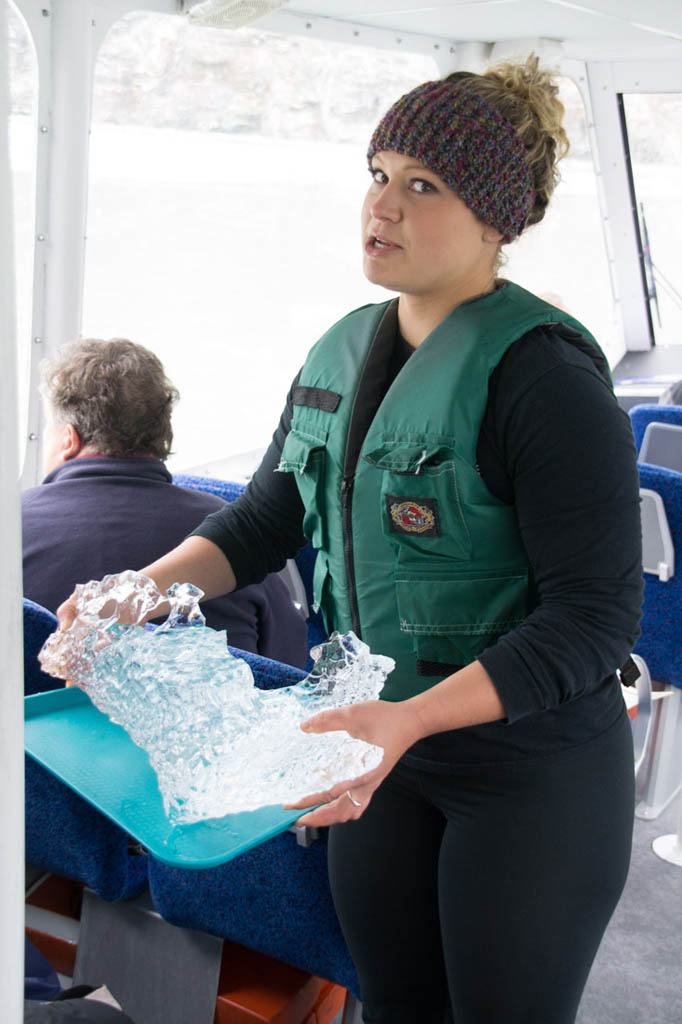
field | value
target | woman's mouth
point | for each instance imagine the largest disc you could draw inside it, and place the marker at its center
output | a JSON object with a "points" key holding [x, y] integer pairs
{"points": [[377, 244]]}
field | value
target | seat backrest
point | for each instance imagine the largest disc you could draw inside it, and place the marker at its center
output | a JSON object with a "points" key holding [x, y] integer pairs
{"points": [[658, 552], [275, 898], [228, 490], [642, 415], [38, 624], [269, 674], [67, 836], [662, 445], [660, 642]]}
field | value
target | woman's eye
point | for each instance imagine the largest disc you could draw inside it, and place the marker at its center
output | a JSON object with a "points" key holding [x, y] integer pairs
{"points": [[420, 185], [378, 176]]}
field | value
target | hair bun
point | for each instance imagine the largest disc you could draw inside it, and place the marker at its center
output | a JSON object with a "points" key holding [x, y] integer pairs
{"points": [[529, 98]]}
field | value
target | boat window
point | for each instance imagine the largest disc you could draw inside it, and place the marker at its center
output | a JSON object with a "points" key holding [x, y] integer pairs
{"points": [[23, 79], [564, 257], [226, 178], [656, 154]]}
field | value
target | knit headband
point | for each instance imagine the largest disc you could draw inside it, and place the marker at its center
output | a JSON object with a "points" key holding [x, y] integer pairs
{"points": [[467, 143]]}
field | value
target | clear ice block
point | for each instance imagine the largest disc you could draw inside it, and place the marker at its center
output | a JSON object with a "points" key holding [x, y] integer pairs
{"points": [[217, 743]]}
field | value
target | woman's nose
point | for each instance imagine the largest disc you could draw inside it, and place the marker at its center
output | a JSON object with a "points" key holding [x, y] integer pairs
{"points": [[386, 206]]}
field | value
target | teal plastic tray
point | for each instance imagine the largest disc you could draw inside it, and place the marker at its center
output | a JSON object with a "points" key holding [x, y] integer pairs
{"points": [[65, 732]]}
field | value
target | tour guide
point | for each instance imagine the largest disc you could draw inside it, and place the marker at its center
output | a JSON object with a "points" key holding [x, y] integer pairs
{"points": [[459, 459]]}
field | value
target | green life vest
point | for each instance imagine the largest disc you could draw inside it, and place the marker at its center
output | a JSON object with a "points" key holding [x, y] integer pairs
{"points": [[415, 554]]}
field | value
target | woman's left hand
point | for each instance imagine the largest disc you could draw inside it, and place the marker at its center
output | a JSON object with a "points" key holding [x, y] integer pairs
{"points": [[394, 727]]}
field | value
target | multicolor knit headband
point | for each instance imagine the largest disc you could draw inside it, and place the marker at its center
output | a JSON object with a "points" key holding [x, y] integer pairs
{"points": [[467, 143]]}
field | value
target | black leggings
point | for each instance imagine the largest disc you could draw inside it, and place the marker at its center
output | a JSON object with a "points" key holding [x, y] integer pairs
{"points": [[482, 896]]}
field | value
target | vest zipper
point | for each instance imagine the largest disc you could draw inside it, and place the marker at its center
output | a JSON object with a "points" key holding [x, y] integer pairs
{"points": [[346, 526]]}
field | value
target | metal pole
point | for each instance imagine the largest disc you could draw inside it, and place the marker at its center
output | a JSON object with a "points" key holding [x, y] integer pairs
{"points": [[11, 637], [66, 69]]}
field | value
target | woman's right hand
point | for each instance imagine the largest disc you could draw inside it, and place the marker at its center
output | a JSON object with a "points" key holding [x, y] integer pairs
{"points": [[127, 597]]}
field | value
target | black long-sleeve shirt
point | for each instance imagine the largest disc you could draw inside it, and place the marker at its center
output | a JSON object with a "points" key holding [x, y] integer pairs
{"points": [[555, 443]]}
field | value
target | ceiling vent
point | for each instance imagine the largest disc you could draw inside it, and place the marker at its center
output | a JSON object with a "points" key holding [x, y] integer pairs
{"points": [[230, 13]]}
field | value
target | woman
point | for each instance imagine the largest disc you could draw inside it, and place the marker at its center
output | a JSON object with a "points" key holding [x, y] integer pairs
{"points": [[459, 459]]}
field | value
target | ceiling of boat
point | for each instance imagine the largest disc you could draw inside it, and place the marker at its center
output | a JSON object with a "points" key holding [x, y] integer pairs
{"points": [[607, 28]]}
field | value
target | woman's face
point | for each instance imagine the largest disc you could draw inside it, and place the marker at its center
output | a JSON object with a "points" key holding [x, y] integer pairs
{"points": [[418, 236]]}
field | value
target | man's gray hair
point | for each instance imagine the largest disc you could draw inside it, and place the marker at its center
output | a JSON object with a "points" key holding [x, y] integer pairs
{"points": [[115, 393]]}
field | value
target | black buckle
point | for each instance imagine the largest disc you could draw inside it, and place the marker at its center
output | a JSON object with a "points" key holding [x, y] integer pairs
{"points": [[629, 673]]}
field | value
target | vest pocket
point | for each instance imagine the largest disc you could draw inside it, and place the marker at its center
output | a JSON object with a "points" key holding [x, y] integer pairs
{"points": [[452, 619], [303, 454], [420, 510]]}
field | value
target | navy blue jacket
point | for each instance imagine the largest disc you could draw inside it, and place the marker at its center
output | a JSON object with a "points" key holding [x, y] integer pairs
{"points": [[95, 515]]}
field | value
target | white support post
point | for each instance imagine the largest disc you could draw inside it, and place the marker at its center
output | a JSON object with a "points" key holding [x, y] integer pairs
{"points": [[669, 847], [665, 772], [67, 37], [620, 223], [11, 642], [463, 57], [66, 52]]}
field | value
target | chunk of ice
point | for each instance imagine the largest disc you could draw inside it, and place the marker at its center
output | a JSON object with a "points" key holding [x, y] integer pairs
{"points": [[217, 743]]}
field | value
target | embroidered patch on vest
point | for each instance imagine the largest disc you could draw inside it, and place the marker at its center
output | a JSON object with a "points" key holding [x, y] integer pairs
{"points": [[413, 515]]}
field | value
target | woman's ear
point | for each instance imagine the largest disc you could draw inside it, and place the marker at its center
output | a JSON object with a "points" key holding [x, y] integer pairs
{"points": [[491, 234]]}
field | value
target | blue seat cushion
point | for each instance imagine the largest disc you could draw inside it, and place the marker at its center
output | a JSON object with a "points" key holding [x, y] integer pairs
{"points": [[642, 415]]}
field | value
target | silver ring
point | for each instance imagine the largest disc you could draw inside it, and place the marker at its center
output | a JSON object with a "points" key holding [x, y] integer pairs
{"points": [[356, 803]]}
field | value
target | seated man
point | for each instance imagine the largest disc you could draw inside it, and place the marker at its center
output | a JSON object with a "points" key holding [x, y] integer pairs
{"points": [[672, 394], [108, 411]]}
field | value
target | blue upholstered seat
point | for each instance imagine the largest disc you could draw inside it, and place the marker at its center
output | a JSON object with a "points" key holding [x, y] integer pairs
{"points": [[660, 643], [228, 490], [274, 898], [305, 560], [67, 836], [38, 624], [642, 415], [64, 833]]}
